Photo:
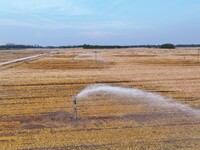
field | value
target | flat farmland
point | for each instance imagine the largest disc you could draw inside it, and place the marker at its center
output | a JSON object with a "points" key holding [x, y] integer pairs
{"points": [[6, 55], [37, 110]]}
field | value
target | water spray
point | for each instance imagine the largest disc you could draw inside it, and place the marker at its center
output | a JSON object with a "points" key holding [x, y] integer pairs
{"points": [[138, 96]]}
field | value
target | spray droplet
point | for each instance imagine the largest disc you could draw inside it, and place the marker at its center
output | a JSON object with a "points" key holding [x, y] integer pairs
{"points": [[131, 94]]}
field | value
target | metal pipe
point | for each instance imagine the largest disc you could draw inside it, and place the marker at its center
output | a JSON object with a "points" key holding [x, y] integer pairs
{"points": [[75, 109]]}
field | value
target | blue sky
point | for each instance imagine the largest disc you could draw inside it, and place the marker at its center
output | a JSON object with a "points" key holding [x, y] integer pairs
{"points": [[105, 22]]}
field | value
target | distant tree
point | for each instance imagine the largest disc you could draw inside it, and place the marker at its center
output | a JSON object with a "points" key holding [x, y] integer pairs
{"points": [[14, 46], [167, 46]]}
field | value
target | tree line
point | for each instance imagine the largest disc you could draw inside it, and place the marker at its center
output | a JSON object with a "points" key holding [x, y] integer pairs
{"points": [[87, 46]]}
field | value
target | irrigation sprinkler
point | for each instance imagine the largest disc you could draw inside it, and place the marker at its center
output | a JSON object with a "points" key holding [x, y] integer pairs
{"points": [[74, 56], [198, 55], [75, 109], [95, 55]]}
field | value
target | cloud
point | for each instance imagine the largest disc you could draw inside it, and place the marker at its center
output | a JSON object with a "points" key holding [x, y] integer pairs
{"points": [[37, 11], [41, 5], [92, 27], [68, 14], [19, 6], [95, 34]]}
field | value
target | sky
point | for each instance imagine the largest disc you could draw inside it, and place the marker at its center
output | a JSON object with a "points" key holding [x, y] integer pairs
{"points": [[100, 22]]}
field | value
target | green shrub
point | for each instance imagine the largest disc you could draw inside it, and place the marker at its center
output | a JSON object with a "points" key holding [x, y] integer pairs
{"points": [[167, 46]]}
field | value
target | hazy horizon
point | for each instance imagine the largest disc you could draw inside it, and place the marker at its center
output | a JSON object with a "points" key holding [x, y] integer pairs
{"points": [[99, 22]]}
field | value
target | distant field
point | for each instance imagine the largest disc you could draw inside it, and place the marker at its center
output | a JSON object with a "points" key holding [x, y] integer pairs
{"points": [[36, 100], [6, 55]]}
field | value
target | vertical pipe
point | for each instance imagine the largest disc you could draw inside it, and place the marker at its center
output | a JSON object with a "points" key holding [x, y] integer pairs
{"points": [[95, 55], [74, 56], [75, 109]]}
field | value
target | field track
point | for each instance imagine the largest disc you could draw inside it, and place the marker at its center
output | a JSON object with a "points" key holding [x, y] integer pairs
{"points": [[21, 59]]}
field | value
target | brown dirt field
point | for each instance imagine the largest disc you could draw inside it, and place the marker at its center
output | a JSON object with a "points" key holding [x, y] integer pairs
{"points": [[36, 100], [63, 63]]}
